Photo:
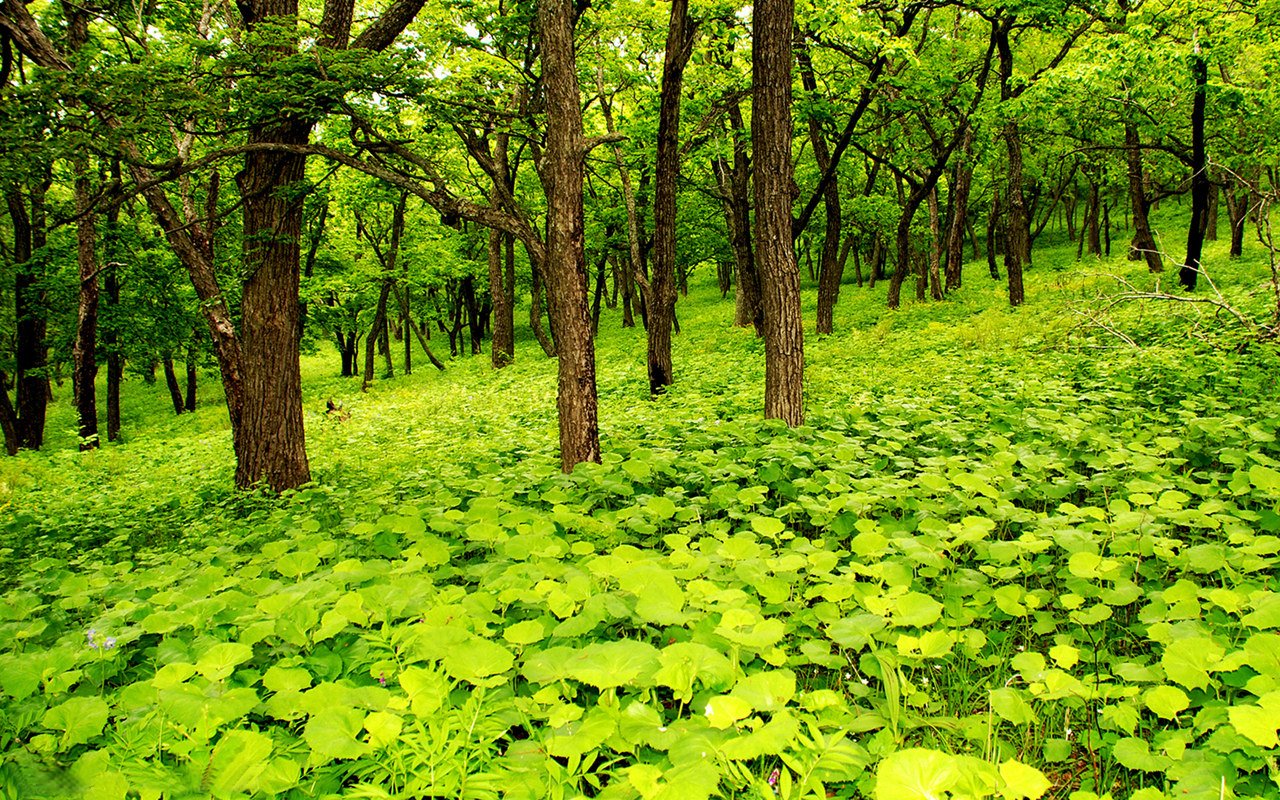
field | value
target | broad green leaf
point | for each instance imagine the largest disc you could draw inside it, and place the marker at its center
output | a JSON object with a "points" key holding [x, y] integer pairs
{"points": [[1136, 754], [685, 662], [578, 738], [661, 507], [659, 599], [332, 734], [1265, 478], [286, 679], [1258, 723], [292, 565], [477, 658], [916, 774], [1166, 701], [605, 665], [1022, 781], [767, 526], [767, 691], [219, 661], [724, 710], [238, 760], [1010, 704], [1188, 661], [916, 609], [383, 727], [80, 719], [526, 632]]}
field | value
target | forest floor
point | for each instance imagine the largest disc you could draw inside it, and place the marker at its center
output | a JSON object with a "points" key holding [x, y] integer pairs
{"points": [[1013, 552]]}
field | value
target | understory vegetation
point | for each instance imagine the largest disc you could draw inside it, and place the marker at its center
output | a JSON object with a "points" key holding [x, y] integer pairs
{"points": [[1008, 556]]}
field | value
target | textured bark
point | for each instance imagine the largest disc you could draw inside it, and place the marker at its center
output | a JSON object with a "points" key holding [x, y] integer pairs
{"points": [[830, 268], [376, 330], [746, 303], [772, 175], [1237, 214], [8, 417], [1017, 244], [84, 350], [110, 332], [1199, 177], [661, 298], [502, 348], [418, 330], [633, 226], [935, 247], [959, 215], [1144, 242], [192, 378], [536, 298], [475, 317], [171, 383], [31, 350], [565, 263]]}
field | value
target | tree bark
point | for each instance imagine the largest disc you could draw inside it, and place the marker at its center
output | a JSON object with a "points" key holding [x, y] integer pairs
{"points": [[935, 247], [1237, 215], [31, 350], [422, 340], [830, 269], [661, 299], [536, 296], [1017, 249], [629, 201], [1144, 242], [171, 382], [565, 262], [1199, 176], [376, 329], [502, 350], [954, 278], [746, 302], [772, 175], [84, 351], [192, 375]]}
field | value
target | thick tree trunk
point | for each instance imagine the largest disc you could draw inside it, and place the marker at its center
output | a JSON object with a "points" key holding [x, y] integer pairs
{"points": [[565, 261], [935, 247], [1199, 176], [746, 302], [1144, 242], [772, 176], [171, 382], [8, 417], [475, 319], [633, 224], [111, 332], [1237, 215], [84, 350], [406, 322], [993, 237], [1017, 245]]}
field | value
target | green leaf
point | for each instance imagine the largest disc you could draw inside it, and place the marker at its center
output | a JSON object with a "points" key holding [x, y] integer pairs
{"points": [[916, 609], [219, 661], [724, 710], [1010, 704], [1022, 781], [1265, 478], [1258, 723], [767, 526], [1166, 701], [605, 665], [684, 662], [661, 507], [80, 719], [332, 734], [767, 691], [915, 774], [383, 727], [1136, 754], [526, 632], [1187, 661], [477, 658], [238, 760], [292, 565], [659, 599]]}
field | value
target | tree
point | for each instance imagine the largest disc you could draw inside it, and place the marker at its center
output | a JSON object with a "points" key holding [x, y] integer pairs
{"points": [[771, 154]]}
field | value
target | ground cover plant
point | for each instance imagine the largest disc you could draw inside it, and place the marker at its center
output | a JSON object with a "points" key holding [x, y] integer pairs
{"points": [[1006, 557]]}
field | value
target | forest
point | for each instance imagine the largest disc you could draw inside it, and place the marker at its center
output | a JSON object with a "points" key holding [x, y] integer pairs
{"points": [[547, 399]]}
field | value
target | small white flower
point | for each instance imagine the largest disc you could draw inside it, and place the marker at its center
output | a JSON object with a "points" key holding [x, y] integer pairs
{"points": [[1067, 733], [662, 729], [707, 711], [925, 681], [865, 682]]}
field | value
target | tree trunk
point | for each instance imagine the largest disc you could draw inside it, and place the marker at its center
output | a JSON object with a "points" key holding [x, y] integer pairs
{"points": [[418, 331], [661, 298], [1017, 250], [191, 378], [31, 350], [8, 417], [376, 329], [502, 349], [1237, 215], [1199, 176], [84, 350], [772, 175], [1144, 242], [535, 310], [830, 269], [171, 381], [935, 247], [475, 320], [1093, 216], [959, 214], [747, 306], [565, 263], [629, 201], [993, 230]]}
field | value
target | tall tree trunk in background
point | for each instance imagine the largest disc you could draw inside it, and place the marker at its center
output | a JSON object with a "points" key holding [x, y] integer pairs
{"points": [[8, 417], [830, 270], [629, 201], [1237, 214], [772, 174], [475, 320], [1211, 215], [1199, 176], [502, 349], [192, 375], [84, 350], [661, 300], [111, 331], [31, 350], [171, 382], [1016, 222], [1093, 216], [537, 295], [1144, 242], [376, 330], [959, 214], [565, 263], [417, 330], [406, 320], [935, 247], [747, 309]]}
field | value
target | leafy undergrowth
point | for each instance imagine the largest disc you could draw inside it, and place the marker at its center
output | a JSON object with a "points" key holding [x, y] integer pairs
{"points": [[987, 567]]}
